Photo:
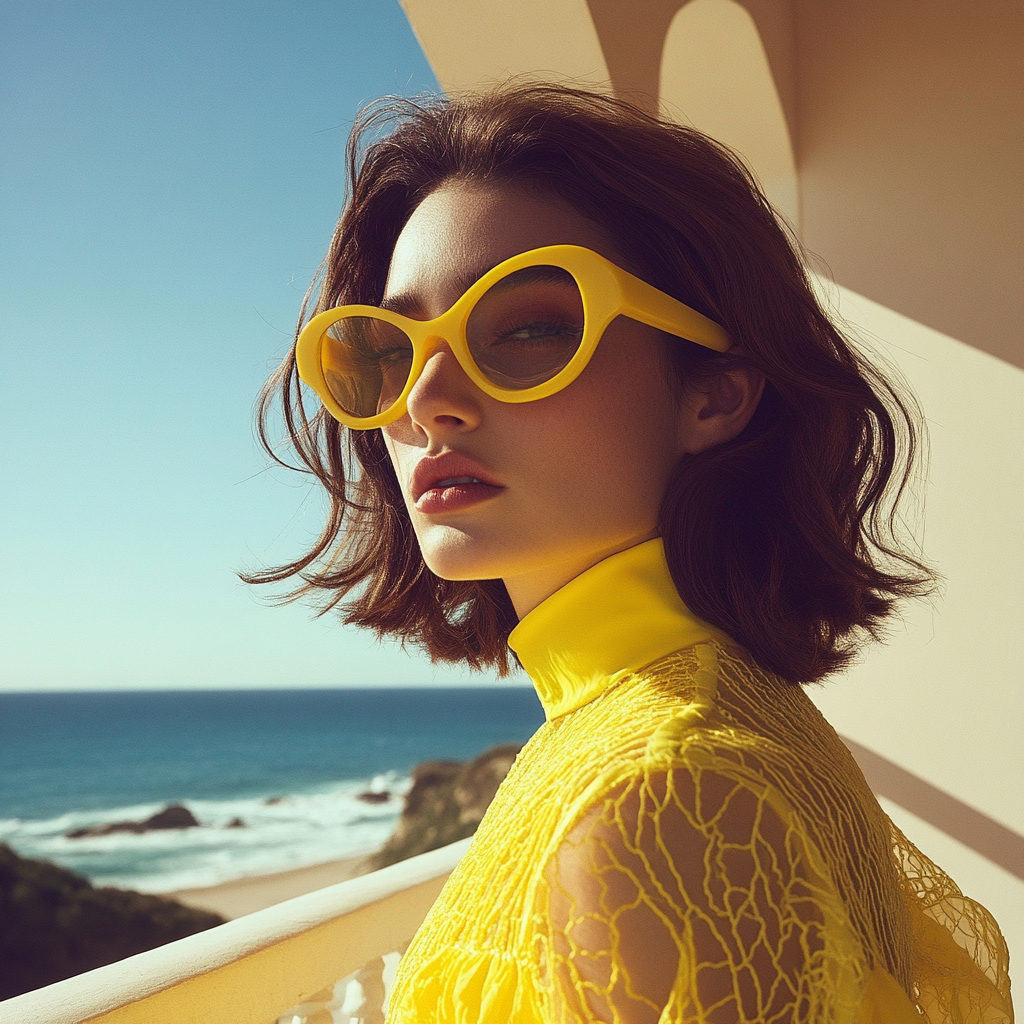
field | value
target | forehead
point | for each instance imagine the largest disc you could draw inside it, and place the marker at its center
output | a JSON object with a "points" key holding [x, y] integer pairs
{"points": [[462, 230]]}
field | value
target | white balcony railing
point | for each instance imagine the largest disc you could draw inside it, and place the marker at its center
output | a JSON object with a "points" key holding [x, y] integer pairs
{"points": [[294, 962]]}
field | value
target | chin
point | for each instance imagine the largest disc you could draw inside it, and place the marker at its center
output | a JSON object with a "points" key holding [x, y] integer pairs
{"points": [[462, 569], [455, 555]]}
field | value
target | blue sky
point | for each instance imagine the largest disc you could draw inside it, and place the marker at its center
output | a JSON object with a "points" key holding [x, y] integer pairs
{"points": [[171, 174]]}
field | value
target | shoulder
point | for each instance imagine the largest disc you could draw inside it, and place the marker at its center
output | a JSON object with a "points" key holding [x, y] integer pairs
{"points": [[698, 805], [698, 787], [685, 875], [703, 801], [702, 751], [707, 703]]}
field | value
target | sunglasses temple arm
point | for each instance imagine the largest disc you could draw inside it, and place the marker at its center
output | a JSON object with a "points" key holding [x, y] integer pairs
{"points": [[653, 307]]}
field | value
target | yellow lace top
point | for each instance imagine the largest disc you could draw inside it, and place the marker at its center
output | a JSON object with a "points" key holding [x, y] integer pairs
{"points": [[687, 840]]}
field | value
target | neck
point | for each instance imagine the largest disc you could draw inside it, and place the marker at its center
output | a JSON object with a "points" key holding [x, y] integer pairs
{"points": [[528, 590], [618, 615]]}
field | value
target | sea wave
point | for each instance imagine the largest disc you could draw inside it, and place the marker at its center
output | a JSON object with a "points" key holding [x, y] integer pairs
{"points": [[281, 831]]}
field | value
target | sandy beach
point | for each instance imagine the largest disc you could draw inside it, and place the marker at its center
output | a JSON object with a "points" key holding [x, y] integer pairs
{"points": [[246, 895]]}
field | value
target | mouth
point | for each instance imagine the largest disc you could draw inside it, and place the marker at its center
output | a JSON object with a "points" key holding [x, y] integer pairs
{"points": [[454, 481], [451, 481], [454, 495]]}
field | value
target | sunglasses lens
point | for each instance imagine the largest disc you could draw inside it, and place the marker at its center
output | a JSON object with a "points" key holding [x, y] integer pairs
{"points": [[366, 364], [526, 327]]}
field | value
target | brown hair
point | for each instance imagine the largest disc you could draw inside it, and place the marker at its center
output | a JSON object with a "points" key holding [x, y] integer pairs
{"points": [[785, 538]]}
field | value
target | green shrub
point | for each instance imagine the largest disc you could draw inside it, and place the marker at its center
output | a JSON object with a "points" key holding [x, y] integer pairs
{"points": [[55, 923]]}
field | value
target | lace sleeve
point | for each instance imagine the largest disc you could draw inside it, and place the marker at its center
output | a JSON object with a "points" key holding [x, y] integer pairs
{"points": [[690, 893], [962, 963]]}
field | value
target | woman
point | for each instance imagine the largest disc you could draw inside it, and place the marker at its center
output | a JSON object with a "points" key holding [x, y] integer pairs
{"points": [[598, 418]]}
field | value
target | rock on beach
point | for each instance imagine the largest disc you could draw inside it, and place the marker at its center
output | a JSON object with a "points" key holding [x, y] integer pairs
{"points": [[172, 816]]}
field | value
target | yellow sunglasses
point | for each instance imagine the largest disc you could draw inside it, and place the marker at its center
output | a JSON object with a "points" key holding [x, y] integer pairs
{"points": [[523, 331]]}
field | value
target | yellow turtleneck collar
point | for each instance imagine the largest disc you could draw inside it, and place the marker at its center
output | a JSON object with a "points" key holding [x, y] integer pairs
{"points": [[616, 617]]}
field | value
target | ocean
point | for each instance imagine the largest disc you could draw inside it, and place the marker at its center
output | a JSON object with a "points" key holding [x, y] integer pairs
{"points": [[289, 764]]}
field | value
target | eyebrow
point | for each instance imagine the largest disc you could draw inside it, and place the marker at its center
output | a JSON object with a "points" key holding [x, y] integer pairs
{"points": [[407, 303]]}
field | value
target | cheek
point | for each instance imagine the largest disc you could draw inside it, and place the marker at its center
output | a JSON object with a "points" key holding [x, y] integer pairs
{"points": [[611, 439], [631, 408]]}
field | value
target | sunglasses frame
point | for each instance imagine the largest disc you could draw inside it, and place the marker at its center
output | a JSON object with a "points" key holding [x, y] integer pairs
{"points": [[607, 291]]}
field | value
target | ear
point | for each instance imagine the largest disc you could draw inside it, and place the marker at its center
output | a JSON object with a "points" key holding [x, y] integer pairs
{"points": [[716, 410]]}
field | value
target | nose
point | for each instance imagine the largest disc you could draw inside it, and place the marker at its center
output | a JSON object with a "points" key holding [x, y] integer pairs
{"points": [[443, 397]]}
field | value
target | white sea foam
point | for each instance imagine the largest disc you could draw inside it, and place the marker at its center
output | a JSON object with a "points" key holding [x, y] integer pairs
{"points": [[281, 832]]}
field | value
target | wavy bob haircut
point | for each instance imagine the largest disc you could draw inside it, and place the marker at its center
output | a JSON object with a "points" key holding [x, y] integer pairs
{"points": [[786, 537]]}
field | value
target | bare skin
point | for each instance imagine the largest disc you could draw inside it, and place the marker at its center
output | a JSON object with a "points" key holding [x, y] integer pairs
{"points": [[579, 475]]}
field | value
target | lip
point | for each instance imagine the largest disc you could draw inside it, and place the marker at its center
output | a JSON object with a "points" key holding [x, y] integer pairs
{"points": [[439, 482]]}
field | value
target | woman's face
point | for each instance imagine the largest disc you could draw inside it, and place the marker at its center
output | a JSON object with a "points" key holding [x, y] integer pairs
{"points": [[564, 481]]}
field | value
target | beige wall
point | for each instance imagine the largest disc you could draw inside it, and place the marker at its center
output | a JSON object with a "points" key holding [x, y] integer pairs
{"points": [[910, 152], [907, 120], [943, 696], [475, 43], [716, 74], [633, 45]]}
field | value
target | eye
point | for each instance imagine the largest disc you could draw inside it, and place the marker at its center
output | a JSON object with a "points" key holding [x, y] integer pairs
{"points": [[540, 331], [527, 327], [393, 354], [370, 340]]}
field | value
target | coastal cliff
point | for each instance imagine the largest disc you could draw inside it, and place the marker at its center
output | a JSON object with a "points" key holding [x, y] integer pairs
{"points": [[445, 804]]}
